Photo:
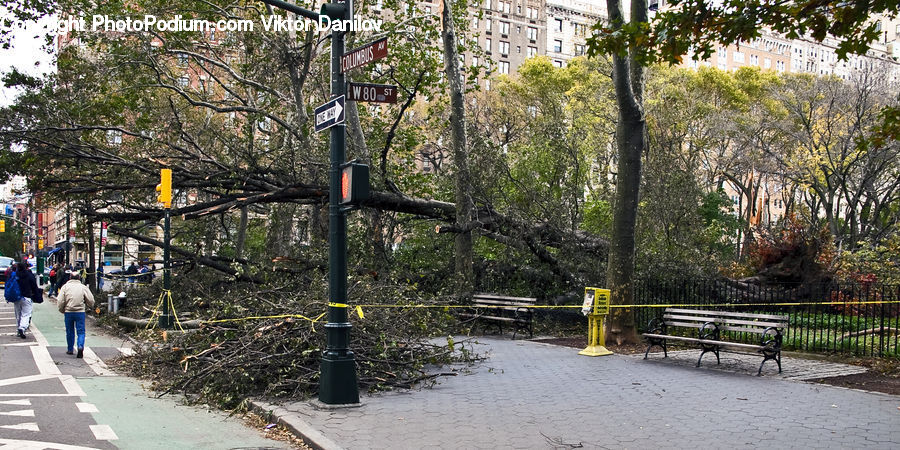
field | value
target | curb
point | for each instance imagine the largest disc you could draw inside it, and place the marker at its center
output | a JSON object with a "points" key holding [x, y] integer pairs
{"points": [[309, 435]]}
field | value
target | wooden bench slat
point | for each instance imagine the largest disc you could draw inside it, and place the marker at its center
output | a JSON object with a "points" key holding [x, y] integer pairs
{"points": [[727, 321], [502, 298], [727, 313], [523, 305]]}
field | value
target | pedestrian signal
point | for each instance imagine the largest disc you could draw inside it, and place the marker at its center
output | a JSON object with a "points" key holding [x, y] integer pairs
{"points": [[354, 183]]}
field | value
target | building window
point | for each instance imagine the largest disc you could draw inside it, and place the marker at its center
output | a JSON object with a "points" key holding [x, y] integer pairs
{"points": [[518, 49], [519, 29], [504, 48], [557, 63], [487, 84], [779, 66], [580, 29], [474, 23], [532, 33], [558, 25], [557, 45], [474, 60], [488, 24], [504, 67], [182, 60], [738, 57], [487, 4], [504, 27], [532, 51], [579, 49], [531, 13], [184, 81], [754, 60], [487, 45], [767, 63]]}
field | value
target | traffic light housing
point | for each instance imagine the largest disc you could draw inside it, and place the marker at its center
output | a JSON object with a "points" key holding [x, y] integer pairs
{"points": [[354, 183], [2, 226], [165, 188]]}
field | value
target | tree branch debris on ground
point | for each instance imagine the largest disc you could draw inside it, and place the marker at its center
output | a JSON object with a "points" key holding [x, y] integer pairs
{"points": [[252, 342]]}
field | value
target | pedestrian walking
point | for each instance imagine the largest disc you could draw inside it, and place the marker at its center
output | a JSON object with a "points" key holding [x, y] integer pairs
{"points": [[24, 281], [100, 277], [72, 300], [54, 272]]}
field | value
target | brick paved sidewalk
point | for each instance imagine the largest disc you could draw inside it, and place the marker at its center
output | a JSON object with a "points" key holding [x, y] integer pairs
{"points": [[534, 396]]}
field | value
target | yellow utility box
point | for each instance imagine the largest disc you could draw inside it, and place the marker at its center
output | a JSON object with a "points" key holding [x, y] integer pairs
{"points": [[596, 307]]}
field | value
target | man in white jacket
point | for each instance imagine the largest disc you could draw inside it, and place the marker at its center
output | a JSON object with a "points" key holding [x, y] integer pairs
{"points": [[72, 299]]}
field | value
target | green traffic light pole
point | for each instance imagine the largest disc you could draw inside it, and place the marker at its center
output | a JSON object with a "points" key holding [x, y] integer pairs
{"points": [[166, 320], [337, 372]]}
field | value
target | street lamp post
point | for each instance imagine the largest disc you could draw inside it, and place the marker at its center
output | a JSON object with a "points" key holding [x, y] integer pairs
{"points": [[337, 376]]}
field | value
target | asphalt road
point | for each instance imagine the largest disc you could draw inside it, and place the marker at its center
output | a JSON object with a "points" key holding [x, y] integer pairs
{"points": [[55, 401]]}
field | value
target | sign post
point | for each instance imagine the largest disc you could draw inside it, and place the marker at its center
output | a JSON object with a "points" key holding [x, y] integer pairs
{"points": [[337, 378], [596, 307]]}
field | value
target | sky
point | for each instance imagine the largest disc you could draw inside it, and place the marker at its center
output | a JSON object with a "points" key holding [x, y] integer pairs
{"points": [[26, 54]]}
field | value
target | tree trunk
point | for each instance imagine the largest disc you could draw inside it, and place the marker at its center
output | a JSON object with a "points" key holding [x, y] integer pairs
{"points": [[631, 139], [464, 203], [242, 234]]}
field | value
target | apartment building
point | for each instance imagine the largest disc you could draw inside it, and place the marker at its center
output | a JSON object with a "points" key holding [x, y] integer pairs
{"points": [[509, 32], [569, 24]]}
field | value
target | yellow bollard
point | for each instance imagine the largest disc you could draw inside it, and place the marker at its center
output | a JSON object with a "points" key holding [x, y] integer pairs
{"points": [[596, 305]]}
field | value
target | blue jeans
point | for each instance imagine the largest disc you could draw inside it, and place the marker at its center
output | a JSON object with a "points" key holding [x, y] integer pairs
{"points": [[74, 322]]}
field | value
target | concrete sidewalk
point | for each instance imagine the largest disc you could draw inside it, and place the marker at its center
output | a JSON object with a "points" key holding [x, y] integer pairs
{"points": [[534, 396]]}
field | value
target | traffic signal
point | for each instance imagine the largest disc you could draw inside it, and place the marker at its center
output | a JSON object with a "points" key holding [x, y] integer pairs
{"points": [[165, 188], [354, 183], [2, 226]]}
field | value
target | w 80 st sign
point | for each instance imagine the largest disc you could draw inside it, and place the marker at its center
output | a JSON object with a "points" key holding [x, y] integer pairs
{"points": [[377, 93]]}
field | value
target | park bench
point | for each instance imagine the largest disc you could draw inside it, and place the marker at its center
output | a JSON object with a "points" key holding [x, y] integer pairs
{"points": [[498, 310], [710, 329]]}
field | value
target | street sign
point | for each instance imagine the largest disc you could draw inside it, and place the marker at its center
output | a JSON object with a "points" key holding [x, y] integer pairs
{"points": [[330, 114], [364, 55], [378, 93]]}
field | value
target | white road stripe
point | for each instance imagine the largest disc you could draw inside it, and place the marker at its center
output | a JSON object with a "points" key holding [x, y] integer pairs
{"points": [[71, 385], [87, 407], [19, 413], [44, 361], [41, 395], [25, 379], [104, 433], [30, 426], [23, 402], [96, 364], [20, 444], [39, 337]]}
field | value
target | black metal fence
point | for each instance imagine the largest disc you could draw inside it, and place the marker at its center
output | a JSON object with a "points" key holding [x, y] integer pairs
{"points": [[851, 319]]}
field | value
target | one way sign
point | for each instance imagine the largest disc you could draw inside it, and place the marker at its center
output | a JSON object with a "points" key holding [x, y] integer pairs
{"points": [[330, 114]]}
